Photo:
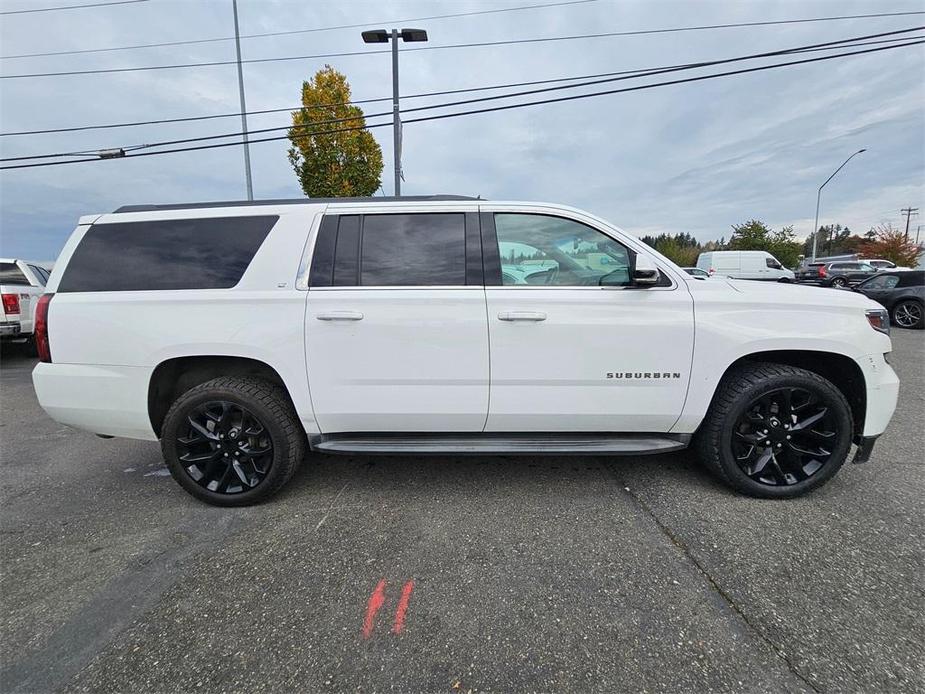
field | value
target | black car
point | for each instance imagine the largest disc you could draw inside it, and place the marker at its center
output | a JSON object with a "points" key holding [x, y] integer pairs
{"points": [[902, 293]]}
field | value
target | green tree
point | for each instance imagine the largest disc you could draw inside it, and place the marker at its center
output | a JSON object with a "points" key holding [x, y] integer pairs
{"points": [[338, 164], [755, 235]]}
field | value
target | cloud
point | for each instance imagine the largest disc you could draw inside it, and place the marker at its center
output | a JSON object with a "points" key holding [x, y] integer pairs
{"points": [[696, 157]]}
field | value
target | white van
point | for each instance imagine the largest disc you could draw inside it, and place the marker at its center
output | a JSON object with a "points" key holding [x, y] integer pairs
{"points": [[745, 265]]}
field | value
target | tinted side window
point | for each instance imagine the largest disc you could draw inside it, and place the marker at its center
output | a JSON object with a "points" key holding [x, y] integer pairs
{"points": [[169, 254], [915, 278], [413, 249], [11, 274]]}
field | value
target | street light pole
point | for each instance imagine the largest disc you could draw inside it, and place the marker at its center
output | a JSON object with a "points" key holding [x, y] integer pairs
{"points": [[393, 35], [247, 149], [819, 197], [396, 115]]}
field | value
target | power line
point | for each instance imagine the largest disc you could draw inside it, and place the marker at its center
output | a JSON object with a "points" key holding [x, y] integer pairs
{"points": [[296, 31], [496, 108], [623, 75], [461, 14], [481, 44], [71, 7], [237, 114]]}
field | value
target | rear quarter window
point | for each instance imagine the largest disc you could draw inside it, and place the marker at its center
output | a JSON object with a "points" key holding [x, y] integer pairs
{"points": [[165, 254], [11, 274]]}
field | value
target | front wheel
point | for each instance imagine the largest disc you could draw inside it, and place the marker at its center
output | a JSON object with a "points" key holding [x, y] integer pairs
{"points": [[908, 314], [232, 441], [775, 431]]}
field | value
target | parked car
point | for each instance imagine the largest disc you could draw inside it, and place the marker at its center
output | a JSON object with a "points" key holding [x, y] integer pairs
{"points": [[696, 272], [901, 292], [21, 283], [744, 265], [878, 264], [841, 274], [241, 335]]}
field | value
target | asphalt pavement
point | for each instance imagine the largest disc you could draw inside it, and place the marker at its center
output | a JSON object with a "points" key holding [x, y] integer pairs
{"points": [[506, 574]]}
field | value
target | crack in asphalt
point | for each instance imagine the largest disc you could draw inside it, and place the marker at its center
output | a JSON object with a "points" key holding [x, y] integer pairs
{"points": [[717, 588]]}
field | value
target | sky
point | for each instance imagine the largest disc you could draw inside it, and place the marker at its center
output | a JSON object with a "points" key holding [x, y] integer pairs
{"points": [[694, 158]]}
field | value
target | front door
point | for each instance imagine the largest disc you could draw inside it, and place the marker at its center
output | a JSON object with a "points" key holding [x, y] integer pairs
{"points": [[575, 347], [396, 330]]}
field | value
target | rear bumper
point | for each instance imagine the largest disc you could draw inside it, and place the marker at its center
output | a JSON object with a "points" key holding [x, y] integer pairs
{"points": [[10, 329], [111, 400]]}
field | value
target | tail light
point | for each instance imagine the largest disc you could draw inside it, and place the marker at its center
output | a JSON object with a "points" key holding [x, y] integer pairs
{"points": [[40, 334], [822, 272], [11, 303]]}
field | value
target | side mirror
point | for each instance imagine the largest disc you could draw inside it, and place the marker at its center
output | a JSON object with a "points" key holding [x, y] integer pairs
{"points": [[645, 274]]}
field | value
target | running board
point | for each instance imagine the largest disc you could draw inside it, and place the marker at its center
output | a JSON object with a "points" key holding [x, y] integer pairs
{"points": [[500, 444]]}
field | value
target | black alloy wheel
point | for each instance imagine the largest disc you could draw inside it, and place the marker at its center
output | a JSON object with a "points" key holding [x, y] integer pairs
{"points": [[775, 430], [908, 314], [225, 448], [233, 441], [785, 437]]}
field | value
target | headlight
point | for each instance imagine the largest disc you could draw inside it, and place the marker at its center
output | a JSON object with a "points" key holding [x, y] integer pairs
{"points": [[879, 319]]}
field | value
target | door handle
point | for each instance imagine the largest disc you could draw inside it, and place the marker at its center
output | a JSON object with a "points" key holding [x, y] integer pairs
{"points": [[532, 316], [340, 315]]}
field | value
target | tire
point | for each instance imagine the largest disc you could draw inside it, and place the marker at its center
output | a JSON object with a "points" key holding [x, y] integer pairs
{"points": [[785, 280], [734, 411], [250, 418], [839, 282], [908, 314]]}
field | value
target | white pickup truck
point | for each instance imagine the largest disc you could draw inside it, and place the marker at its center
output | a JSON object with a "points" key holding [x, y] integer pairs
{"points": [[21, 284], [241, 335]]}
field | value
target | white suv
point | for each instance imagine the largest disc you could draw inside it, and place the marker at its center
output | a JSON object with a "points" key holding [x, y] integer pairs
{"points": [[243, 334]]}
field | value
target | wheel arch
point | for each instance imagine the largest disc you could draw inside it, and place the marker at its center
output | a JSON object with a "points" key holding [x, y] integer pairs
{"points": [[840, 370], [175, 376]]}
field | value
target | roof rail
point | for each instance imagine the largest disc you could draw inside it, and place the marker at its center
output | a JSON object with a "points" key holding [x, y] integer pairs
{"points": [[287, 201]]}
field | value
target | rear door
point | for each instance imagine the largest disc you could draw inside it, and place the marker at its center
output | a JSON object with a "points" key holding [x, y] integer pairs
{"points": [[573, 346], [396, 329]]}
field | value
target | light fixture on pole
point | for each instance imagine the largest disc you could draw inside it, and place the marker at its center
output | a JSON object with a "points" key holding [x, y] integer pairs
{"points": [[384, 36], [819, 197]]}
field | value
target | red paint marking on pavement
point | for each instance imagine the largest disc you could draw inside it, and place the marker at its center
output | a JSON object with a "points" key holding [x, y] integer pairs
{"points": [[372, 607], [402, 608]]}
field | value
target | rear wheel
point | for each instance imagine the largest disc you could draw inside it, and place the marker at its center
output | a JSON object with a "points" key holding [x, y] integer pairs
{"points": [[232, 441], [839, 282], [908, 314], [775, 431]]}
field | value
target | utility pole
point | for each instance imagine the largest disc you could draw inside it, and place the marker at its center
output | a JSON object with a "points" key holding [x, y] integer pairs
{"points": [[909, 211], [383, 36], [247, 148]]}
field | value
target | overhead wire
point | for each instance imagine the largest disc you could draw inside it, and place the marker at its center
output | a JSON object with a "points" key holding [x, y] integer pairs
{"points": [[298, 31], [31, 10], [479, 44], [237, 114], [622, 75], [491, 109]]}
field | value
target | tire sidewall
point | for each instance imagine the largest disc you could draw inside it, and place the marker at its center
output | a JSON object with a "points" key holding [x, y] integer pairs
{"points": [[832, 398], [918, 325], [176, 419]]}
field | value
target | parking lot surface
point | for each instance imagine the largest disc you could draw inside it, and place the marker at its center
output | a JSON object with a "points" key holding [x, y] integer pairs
{"points": [[456, 574]]}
